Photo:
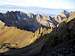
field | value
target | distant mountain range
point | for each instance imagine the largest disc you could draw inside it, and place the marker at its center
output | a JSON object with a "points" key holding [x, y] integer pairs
{"points": [[35, 10]]}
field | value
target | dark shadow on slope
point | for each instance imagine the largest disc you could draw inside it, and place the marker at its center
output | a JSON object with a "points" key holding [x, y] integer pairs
{"points": [[60, 42]]}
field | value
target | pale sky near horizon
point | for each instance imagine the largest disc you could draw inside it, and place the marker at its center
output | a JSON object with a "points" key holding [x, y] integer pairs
{"points": [[55, 4]]}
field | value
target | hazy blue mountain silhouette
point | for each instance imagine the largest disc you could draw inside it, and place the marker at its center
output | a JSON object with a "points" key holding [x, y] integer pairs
{"points": [[36, 10]]}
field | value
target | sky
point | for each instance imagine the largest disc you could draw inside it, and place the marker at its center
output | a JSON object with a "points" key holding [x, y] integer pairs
{"points": [[54, 4]]}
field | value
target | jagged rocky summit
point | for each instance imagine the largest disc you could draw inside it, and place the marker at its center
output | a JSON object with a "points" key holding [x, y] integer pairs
{"points": [[20, 30], [31, 21]]}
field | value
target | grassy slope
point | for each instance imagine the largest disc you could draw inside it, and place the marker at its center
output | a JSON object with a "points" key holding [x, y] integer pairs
{"points": [[19, 38]]}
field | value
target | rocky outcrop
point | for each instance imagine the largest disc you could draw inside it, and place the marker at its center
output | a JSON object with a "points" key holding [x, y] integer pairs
{"points": [[61, 17]]}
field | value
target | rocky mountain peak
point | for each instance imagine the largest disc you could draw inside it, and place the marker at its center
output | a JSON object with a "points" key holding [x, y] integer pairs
{"points": [[64, 13]]}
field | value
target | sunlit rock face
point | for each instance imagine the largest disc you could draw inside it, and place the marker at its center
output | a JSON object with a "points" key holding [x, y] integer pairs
{"points": [[61, 17], [58, 18], [45, 21]]}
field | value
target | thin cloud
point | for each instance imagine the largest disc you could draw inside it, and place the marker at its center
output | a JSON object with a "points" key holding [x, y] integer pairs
{"points": [[57, 4]]}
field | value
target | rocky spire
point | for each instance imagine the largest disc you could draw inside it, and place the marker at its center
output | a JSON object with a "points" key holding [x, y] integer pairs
{"points": [[64, 13]]}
